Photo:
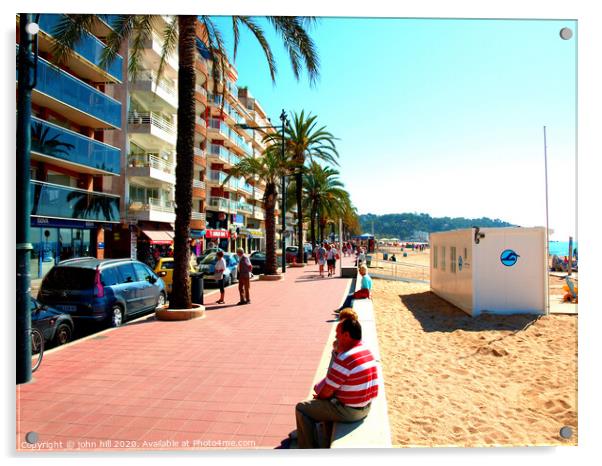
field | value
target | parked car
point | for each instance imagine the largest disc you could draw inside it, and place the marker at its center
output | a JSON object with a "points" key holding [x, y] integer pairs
{"points": [[164, 269], [207, 266], [56, 326], [291, 252], [107, 291], [206, 252], [258, 261]]}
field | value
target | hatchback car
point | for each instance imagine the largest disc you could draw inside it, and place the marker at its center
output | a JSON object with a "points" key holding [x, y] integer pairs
{"points": [[56, 326], [107, 291], [164, 269], [207, 267]]}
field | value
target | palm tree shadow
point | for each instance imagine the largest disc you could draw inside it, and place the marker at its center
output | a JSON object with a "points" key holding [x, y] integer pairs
{"points": [[437, 315]]}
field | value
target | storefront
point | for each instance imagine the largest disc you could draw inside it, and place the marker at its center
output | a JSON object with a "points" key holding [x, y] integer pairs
{"points": [[253, 237], [55, 240], [154, 240], [217, 238]]}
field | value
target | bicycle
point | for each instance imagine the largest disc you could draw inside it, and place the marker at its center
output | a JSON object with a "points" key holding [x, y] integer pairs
{"points": [[37, 349]]}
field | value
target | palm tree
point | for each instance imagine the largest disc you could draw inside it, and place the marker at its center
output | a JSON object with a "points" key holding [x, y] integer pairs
{"points": [[270, 168], [181, 32], [305, 142], [321, 190]]}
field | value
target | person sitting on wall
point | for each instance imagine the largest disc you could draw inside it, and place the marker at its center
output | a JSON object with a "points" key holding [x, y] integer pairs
{"points": [[393, 258], [351, 385], [362, 293]]}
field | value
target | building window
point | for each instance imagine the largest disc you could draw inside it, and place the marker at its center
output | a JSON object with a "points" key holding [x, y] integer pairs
{"points": [[452, 263], [435, 256], [465, 254], [443, 258]]}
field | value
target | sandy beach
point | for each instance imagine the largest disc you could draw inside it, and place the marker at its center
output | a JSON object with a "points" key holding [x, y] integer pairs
{"points": [[454, 380]]}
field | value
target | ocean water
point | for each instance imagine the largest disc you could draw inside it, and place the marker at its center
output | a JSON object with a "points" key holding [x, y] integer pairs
{"points": [[561, 248]]}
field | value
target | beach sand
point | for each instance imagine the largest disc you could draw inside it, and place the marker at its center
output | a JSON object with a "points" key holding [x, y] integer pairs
{"points": [[455, 380]]}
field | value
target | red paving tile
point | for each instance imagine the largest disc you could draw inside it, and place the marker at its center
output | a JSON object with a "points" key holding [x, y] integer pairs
{"points": [[235, 375]]}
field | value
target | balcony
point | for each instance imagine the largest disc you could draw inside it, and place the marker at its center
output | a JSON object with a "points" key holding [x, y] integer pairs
{"points": [[258, 213], [219, 177], [150, 129], [73, 98], [244, 207], [197, 216], [246, 187], [85, 62], [160, 96], [154, 210], [57, 201], [150, 169], [200, 121], [198, 184], [258, 194], [219, 152], [153, 49], [221, 204], [65, 148]]}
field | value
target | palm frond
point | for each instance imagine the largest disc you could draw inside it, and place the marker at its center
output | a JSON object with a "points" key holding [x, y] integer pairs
{"points": [[68, 31], [170, 42]]}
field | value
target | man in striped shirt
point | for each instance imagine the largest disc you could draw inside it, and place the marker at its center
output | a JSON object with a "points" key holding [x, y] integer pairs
{"points": [[350, 386]]}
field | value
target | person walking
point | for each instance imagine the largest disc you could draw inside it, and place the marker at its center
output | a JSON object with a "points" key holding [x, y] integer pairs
{"points": [[321, 257], [244, 276], [331, 260], [220, 268]]}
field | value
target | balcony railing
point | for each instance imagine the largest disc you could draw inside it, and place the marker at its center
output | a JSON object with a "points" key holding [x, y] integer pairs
{"points": [[166, 86], [69, 90], [53, 200], [219, 203], [197, 216], [200, 121], [151, 203], [244, 186], [151, 118], [198, 184], [219, 177], [152, 160], [258, 213], [245, 207], [201, 90], [88, 46], [258, 194], [54, 141]]}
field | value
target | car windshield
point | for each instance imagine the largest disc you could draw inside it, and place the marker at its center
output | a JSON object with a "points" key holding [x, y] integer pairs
{"points": [[292, 249], [209, 259], [167, 265], [258, 255], [69, 278]]}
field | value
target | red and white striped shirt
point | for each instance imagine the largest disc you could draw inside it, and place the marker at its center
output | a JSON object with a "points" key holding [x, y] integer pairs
{"points": [[354, 376]]}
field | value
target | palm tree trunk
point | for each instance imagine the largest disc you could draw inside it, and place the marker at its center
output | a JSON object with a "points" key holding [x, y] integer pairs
{"points": [[299, 187], [271, 267], [312, 227], [180, 297]]}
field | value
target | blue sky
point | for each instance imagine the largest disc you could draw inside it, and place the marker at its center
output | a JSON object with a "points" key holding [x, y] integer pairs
{"points": [[442, 116]]}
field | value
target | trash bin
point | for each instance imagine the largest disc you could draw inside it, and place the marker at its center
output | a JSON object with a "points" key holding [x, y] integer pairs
{"points": [[405, 254], [368, 261], [385, 256], [196, 287]]}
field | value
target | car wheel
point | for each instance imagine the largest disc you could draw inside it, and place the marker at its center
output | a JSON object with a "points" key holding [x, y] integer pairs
{"points": [[117, 316], [63, 334], [161, 301]]}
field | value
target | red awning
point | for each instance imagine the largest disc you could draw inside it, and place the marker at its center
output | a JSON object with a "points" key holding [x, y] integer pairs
{"points": [[217, 234], [158, 236]]}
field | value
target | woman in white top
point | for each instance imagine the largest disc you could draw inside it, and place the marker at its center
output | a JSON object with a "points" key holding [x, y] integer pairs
{"points": [[220, 268], [331, 260]]}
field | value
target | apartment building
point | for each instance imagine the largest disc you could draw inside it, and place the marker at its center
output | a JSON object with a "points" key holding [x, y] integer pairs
{"points": [[74, 163]]}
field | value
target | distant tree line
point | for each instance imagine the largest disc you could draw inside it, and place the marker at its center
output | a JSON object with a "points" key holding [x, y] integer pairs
{"points": [[408, 226]]}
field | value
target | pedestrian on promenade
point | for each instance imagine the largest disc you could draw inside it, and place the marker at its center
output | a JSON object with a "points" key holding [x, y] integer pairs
{"points": [[331, 259], [321, 258], [244, 276], [351, 385], [361, 257], [220, 268]]}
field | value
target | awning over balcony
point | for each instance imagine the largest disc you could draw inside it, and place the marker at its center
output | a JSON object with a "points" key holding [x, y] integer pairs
{"points": [[159, 236]]}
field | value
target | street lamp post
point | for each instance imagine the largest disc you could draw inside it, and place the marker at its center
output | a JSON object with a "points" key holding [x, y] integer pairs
{"points": [[26, 82], [285, 122]]}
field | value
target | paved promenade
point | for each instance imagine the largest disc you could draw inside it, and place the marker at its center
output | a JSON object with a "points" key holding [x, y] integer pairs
{"points": [[230, 380]]}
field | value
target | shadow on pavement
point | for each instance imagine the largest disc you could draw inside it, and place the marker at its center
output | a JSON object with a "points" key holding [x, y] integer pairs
{"points": [[437, 315]]}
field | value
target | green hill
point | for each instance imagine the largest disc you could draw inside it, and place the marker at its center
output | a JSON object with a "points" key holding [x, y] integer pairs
{"points": [[408, 227]]}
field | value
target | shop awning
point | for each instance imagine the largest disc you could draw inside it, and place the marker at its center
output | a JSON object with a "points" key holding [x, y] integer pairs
{"points": [[159, 236], [252, 232]]}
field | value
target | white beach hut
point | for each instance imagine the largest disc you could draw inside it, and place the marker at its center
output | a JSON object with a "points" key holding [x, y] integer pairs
{"points": [[494, 270]]}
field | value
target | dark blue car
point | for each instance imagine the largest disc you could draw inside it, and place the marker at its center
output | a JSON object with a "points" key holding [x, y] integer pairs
{"points": [[56, 326], [107, 291]]}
